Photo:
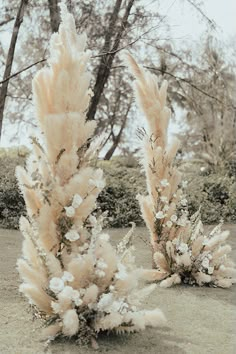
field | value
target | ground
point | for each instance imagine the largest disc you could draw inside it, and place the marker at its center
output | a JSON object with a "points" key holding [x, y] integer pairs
{"points": [[200, 320]]}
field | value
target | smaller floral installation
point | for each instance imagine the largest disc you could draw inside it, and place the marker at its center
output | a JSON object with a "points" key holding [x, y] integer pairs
{"points": [[74, 279], [182, 251]]}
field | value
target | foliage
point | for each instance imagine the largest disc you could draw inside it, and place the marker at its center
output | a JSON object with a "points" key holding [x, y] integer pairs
{"points": [[123, 182]]}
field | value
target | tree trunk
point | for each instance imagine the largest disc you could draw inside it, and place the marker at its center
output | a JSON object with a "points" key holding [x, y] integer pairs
{"points": [[109, 54], [54, 15], [117, 139], [10, 57]]}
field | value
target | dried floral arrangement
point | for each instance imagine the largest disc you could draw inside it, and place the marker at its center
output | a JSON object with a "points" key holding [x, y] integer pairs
{"points": [[72, 276], [182, 251]]}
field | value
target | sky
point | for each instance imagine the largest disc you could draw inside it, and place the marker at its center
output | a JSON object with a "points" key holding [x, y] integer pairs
{"points": [[186, 25]]}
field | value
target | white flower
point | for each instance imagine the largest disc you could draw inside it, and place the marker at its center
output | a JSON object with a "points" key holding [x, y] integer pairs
{"points": [[77, 200], [101, 264], [164, 199], [100, 273], [183, 247], [166, 208], [182, 222], [173, 218], [56, 285], [72, 235], [169, 223], [160, 215], [67, 276], [164, 183], [105, 300], [121, 274], [76, 298], [210, 270], [56, 307], [174, 195], [70, 211], [67, 292], [184, 202], [205, 262], [111, 287], [184, 184]]}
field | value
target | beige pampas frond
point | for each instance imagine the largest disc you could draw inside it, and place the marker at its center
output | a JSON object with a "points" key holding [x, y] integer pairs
{"points": [[72, 275], [182, 252]]}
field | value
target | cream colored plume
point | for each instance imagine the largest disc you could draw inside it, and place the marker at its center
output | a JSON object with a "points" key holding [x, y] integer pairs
{"points": [[72, 276], [182, 252]]}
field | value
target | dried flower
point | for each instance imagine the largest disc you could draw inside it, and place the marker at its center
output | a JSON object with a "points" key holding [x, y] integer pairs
{"points": [[72, 235], [67, 276], [183, 247], [205, 262], [70, 211], [160, 215], [169, 223], [173, 218], [164, 199], [164, 183], [56, 285], [184, 202], [77, 200]]}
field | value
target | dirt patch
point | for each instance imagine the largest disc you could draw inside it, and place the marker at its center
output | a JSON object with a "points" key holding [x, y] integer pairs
{"points": [[200, 320]]}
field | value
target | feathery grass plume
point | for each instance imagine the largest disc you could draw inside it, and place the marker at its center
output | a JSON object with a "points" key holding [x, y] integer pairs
{"points": [[75, 280], [182, 252]]}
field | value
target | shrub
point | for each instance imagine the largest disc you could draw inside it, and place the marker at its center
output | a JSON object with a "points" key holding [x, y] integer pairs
{"points": [[216, 194], [123, 182]]}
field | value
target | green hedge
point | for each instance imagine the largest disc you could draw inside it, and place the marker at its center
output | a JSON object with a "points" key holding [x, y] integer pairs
{"points": [[216, 194]]}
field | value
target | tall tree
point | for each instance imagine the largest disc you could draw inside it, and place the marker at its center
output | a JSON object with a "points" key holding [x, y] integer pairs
{"points": [[10, 58]]}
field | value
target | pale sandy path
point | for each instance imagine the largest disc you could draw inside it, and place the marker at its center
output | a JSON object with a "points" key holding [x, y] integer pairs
{"points": [[201, 320]]}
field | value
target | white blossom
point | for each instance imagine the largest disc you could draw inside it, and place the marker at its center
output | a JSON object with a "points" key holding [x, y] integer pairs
{"points": [[205, 262], [122, 273], [184, 202], [183, 247], [101, 264], [104, 237], [100, 273], [77, 200], [56, 307], [164, 183], [56, 285], [164, 199], [67, 276], [184, 184], [111, 287], [160, 215], [210, 270], [169, 223], [76, 298], [173, 218], [166, 208], [105, 300], [72, 235], [70, 211]]}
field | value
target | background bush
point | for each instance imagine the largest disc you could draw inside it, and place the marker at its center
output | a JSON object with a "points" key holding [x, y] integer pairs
{"points": [[216, 193]]}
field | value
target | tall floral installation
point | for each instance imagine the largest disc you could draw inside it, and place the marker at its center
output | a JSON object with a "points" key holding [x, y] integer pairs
{"points": [[72, 276], [182, 251]]}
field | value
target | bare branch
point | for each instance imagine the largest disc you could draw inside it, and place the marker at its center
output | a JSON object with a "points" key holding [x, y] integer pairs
{"points": [[10, 57], [4, 22], [22, 70]]}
